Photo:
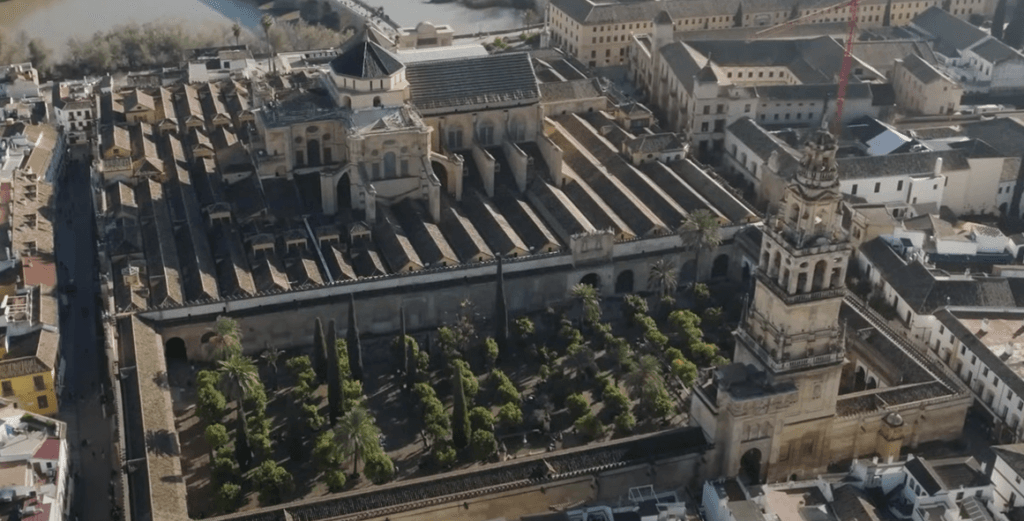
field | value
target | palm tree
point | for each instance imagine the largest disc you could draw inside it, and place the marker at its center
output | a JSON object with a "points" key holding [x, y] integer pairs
{"points": [[589, 302], [267, 22], [357, 434], [236, 30], [270, 356], [240, 376], [226, 341], [646, 379], [701, 230], [663, 279]]}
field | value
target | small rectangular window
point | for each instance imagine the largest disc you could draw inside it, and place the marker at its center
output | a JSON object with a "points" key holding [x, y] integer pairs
{"points": [[42, 402], [38, 382], [853, 190], [707, 109], [8, 390], [878, 187]]}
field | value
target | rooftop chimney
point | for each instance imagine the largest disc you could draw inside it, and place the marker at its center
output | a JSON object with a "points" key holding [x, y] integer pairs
{"points": [[938, 166], [984, 325]]}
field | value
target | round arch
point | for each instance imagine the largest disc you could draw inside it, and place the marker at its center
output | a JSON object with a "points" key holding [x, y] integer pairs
{"points": [[174, 349], [592, 279], [624, 282], [750, 465], [859, 379], [343, 193], [720, 267]]}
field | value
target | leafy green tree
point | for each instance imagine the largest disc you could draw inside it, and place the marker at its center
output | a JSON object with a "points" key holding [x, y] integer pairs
{"points": [[625, 422], [510, 415], [701, 294], [702, 232], [633, 305], [590, 426], [685, 370], [273, 482], [590, 303], [577, 405], [355, 349], [378, 467], [661, 406], [216, 437], [228, 495], [320, 351], [615, 399], [491, 351], [335, 407], [444, 454], [523, 330], [686, 324], [579, 360], [335, 480], [621, 353], [211, 405], [223, 467], [712, 317], [357, 435], [460, 413], [481, 419], [484, 445], [505, 389], [470, 384]]}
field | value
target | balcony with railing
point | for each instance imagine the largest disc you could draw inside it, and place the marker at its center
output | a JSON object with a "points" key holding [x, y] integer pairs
{"points": [[800, 244], [799, 298], [837, 355]]}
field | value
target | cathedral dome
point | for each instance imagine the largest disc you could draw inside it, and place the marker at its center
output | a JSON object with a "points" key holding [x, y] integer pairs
{"points": [[366, 60]]}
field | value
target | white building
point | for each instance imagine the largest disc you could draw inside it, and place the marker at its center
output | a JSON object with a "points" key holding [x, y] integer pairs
{"points": [[74, 109], [33, 466], [19, 80], [220, 63], [1007, 476]]}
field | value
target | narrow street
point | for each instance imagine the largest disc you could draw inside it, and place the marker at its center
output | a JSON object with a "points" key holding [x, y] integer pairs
{"points": [[84, 398]]}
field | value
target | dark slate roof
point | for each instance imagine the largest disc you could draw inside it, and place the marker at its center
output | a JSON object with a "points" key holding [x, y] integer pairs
{"points": [[813, 60], [882, 94], [925, 475], [707, 74], [922, 70], [951, 34], [1004, 134], [494, 79], [680, 61], [883, 54], [866, 167], [763, 143], [924, 293], [570, 90], [366, 60], [663, 18], [655, 143], [996, 51], [811, 91], [976, 148], [1013, 455]]}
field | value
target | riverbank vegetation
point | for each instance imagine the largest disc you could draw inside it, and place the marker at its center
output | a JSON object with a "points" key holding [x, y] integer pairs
{"points": [[136, 46]]}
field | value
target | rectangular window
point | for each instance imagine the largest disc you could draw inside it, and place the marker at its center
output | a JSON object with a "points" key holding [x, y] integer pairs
{"points": [[8, 390], [38, 382], [721, 109], [878, 187], [405, 166], [746, 108], [707, 109], [853, 190], [704, 126], [298, 158], [43, 402], [899, 185], [719, 125]]}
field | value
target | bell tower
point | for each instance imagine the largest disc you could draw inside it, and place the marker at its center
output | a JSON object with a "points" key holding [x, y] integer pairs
{"points": [[770, 411]]}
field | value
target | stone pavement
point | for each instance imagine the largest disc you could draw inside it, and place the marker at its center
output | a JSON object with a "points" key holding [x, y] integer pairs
{"points": [[85, 394]]}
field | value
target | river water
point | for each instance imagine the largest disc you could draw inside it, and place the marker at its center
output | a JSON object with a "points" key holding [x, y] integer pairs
{"points": [[54, 21]]}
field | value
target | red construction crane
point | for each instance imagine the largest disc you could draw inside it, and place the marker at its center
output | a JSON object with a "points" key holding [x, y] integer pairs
{"points": [[851, 33]]}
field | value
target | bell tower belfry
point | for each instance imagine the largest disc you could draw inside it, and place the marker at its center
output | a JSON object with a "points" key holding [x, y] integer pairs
{"points": [[770, 411]]}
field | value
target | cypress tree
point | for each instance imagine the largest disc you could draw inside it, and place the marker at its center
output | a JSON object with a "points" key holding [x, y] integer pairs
{"points": [[407, 359], [794, 13], [737, 19], [333, 375], [355, 349], [460, 412], [999, 20], [500, 311], [1013, 35], [887, 15], [243, 452], [319, 351]]}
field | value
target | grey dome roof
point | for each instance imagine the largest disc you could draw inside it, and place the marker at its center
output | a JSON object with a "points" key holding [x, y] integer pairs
{"points": [[366, 60]]}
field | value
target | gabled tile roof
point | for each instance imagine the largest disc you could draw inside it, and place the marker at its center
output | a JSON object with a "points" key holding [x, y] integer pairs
{"points": [[910, 163], [925, 72], [995, 51], [570, 90], [494, 80], [951, 34]]}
